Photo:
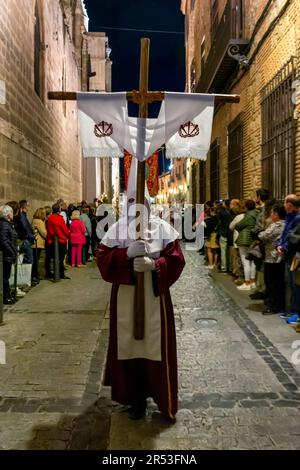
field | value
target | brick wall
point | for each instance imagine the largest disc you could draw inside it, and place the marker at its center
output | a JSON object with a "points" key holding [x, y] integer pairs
{"points": [[268, 53], [40, 154]]}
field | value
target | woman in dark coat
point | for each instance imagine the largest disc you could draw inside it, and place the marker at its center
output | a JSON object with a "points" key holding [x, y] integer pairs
{"points": [[8, 246]]}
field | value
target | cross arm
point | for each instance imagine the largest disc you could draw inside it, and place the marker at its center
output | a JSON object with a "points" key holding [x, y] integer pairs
{"points": [[138, 97]]}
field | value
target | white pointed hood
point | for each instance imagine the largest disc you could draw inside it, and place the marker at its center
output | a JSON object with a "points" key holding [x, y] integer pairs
{"points": [[158, 233]]}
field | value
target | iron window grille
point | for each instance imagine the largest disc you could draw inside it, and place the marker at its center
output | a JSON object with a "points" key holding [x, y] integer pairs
{"points": [[235, 158], [278, 132]]}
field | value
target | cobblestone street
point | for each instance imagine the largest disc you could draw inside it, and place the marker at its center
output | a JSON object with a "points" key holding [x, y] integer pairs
{"points": [[237, 386]]}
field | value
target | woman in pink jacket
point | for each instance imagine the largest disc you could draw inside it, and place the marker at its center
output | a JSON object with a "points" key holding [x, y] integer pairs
{"points": [[77, 239]]}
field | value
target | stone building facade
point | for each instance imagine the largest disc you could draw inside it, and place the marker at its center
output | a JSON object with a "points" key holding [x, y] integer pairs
{"points": [[173, 184], [250, 48], [97, 172], [42, 48]]}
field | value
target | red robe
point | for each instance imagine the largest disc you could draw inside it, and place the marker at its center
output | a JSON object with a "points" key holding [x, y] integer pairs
{"points": [[131, 378]]}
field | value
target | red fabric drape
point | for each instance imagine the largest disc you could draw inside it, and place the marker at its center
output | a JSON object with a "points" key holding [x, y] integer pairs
{"points": [[127, 164], [152, 181], [152, 165]]}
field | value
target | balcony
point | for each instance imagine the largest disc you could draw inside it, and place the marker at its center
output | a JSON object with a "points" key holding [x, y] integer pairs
{"points": [[227, 50]]}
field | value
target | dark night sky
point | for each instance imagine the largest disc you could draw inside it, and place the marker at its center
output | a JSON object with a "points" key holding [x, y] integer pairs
{"points": [[167, 56], [166, 50]]}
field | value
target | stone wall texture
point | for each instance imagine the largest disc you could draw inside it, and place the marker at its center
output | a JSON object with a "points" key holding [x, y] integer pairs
{"points": [[40, 153]]}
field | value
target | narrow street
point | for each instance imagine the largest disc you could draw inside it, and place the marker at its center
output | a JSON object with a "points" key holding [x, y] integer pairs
{"points": [[237, 386]]}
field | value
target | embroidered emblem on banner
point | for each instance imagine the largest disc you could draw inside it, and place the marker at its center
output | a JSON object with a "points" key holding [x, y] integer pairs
{"points": [[189, 129], [103, 129]]}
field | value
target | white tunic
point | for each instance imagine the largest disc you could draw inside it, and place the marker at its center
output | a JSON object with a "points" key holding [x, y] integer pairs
{"points": [[150, 346]]}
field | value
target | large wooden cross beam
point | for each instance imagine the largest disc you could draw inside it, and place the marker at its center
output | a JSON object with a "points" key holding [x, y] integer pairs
{"points": [[138, 97], [143, 98]]}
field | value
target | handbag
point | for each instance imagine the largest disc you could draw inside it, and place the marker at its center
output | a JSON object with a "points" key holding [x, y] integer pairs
{"points": [[256, 251], [295, 264], [295, 268]]}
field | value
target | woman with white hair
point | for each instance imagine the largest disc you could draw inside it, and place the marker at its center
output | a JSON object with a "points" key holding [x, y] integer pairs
{"points": [[8, 246]]}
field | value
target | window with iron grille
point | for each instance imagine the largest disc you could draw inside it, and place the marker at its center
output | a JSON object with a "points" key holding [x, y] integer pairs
{"points": [[278, 132], [215, 170], [202, 182], [235, 158], [214, 18]]}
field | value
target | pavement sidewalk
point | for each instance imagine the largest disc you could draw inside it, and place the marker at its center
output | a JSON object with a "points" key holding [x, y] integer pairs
{"points": [[237, 386], [55, 340], [276, 329]]}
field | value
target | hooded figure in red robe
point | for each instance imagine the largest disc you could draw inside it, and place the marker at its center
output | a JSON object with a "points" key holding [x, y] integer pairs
{"points": [[138, 369]]}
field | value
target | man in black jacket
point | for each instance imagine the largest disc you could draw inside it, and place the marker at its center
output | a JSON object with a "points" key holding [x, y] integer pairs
{"points": [[8, 246]]}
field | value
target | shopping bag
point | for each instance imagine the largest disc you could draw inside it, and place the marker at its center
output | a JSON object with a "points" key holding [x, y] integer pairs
{"points": [[295, 265], [23, 275]]}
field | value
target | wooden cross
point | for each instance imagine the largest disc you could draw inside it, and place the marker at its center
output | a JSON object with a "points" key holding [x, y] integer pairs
{"points": [[142, 97]]}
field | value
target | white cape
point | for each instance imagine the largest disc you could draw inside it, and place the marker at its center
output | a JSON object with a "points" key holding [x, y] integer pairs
{"points": [[142, 137]]}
